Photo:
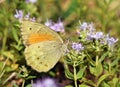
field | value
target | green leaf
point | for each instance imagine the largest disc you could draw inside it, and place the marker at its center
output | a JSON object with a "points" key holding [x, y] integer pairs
{"points": [[72, 8], [81, 72], [103, 57], [97, 70], [68, 74], [118, 85], [69, 86], [115, 62], [31, 77], [92, 70], [90, 60], [102, 78], [15, 85], [15, 35], [83, 85], [1, 66], [90, 82], [114, 81], [104, 84], [29, 85]]}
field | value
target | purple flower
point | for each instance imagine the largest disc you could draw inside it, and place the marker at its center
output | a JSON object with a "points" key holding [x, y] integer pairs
{"points": [[49, 23], [91, 27], [27, 16], [19, 14], [110, 40], [77, 46], [97, 35], [32, 1], [47, 82], [33, 19], [58, 27], [83, 26]]}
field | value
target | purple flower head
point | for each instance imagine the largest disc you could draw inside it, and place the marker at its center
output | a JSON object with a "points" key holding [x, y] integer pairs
{"points": [[91, 27], [97, 35], [19, 14], [38, 83], [83, 26], [47, 82], [32, 1], [27, 16], [49, 23], [58, 27], [110, 40], [33, 19], [77, 46]]}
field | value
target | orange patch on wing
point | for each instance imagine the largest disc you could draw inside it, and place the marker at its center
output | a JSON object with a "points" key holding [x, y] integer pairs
{"points": [[35, 38]]}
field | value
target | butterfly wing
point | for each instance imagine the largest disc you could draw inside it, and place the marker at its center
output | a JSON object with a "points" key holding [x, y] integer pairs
{"points": [[33, 32], [44, 47], [44, 55]]}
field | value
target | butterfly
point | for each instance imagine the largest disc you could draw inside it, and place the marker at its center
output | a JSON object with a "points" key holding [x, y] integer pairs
{"points": [[43, 46]]}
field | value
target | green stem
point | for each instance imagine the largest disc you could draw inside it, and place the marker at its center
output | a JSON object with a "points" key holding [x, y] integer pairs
{"points": [[23, 83], [97, 60], [4, 40], [75, 76]]}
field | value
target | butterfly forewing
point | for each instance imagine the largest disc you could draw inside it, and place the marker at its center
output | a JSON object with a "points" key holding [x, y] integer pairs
{"points": [[36, 31]]}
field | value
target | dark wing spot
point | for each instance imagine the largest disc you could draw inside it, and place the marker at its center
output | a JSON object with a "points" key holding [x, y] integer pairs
{"points": [[30, 28], [39, 31], [41, 62], [37, 58], [38, 46], [46, 65], [54, 46]]}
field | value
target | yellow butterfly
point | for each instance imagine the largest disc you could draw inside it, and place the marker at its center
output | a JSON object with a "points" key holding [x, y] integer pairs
{"points": [[44, 47]]}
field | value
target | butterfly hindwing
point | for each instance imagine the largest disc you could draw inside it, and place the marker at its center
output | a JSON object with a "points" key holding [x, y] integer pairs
{"points": [[44, 55]]}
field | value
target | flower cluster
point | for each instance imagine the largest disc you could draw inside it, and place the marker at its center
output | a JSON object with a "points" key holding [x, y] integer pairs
{"points": [[19, 15], [46, 82], [91, 34], [58, 27]]}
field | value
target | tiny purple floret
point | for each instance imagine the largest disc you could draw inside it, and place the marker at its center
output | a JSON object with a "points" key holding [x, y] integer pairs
{"points": [[77, 46], [19, 14]]}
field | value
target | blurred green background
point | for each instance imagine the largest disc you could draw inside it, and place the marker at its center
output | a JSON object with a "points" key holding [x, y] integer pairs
{"points": [[104, 14]]}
